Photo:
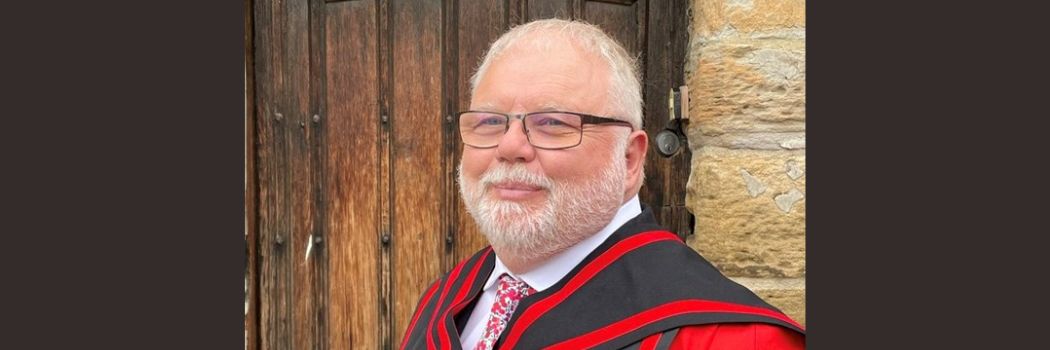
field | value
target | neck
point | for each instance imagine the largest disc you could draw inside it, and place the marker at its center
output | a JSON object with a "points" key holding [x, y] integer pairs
{"points": [[519, 267], [518, 264]]}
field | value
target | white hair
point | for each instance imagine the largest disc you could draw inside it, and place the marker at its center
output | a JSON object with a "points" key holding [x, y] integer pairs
{"points": [[624, 83]]}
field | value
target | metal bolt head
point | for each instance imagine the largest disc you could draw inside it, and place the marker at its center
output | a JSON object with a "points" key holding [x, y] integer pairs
{"points": [[278, 116], [386, 238], [317, 119], [448, 118], [383, 118], [318, 239], [302, 125], [279, 240]]}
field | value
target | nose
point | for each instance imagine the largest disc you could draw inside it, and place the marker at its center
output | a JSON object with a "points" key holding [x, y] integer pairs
{"points": [[515, 146]]}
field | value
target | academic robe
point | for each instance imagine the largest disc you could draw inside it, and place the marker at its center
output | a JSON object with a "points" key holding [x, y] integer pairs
{"points": [[643, 288]]}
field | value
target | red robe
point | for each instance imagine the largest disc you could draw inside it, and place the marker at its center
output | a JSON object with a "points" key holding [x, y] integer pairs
{"points": [[735, 336], [641, 289]]}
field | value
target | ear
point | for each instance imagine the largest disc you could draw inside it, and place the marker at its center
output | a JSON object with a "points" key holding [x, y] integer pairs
{"points": [[637, 145]]}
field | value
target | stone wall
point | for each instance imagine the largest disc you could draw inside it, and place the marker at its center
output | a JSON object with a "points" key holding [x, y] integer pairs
{"points": [[746, 73]]}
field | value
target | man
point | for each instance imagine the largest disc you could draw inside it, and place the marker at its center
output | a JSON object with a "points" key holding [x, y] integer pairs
{"points": [[552, 163]]}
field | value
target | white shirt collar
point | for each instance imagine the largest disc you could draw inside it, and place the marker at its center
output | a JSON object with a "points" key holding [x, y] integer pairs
{"points": [[551, 271]]}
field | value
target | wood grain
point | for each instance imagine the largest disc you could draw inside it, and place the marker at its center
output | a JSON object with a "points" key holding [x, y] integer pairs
{"points": [[540, 9], [515, 12], [618, 20], [352, 166], [619, 2], [318, 257], [294, 91], [664, 69], [681, 163], [386, 267], [449, 134], [273, 225], [416, 140], [657, 70]]}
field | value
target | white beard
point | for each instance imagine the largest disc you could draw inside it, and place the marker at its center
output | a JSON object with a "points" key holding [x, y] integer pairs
{"points": [[571, 213]]}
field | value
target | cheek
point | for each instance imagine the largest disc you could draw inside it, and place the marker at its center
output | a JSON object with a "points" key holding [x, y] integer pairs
{"points": [[475, 162], [592, 156], [568, 167]]}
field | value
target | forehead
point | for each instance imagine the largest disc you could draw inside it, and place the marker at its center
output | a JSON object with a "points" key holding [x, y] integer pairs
{"points": [[543, 74]]}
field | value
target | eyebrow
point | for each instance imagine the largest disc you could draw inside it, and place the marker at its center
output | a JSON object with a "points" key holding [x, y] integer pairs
{"points": [[487, 106], [551, 106], [543, 107]]}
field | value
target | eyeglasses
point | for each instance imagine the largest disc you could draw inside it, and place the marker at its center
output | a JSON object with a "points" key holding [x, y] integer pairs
{"points": [[552, 130]]}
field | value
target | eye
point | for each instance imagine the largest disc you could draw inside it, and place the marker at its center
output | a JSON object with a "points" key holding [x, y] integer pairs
{"points": [[490, 120], [548, 121]]}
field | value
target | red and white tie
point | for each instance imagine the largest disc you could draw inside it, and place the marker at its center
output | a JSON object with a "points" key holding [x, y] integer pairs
{"points": [[508, 294]]}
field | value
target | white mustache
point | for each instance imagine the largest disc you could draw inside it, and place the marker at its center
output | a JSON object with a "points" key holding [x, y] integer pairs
{"points": [[516, 173]]}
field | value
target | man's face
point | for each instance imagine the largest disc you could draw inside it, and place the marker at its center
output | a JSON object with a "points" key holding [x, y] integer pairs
{"points": [[532, 202]]}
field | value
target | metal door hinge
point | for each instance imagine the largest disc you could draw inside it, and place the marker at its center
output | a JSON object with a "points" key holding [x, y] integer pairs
{"points": [[678, 103]]}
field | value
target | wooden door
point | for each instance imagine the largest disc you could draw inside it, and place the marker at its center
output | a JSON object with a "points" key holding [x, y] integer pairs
{"points": [[352, 204]]}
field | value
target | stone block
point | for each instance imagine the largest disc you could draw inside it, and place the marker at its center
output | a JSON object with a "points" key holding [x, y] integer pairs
{"points": [[748, 86], [750, 210], [714, 18]]}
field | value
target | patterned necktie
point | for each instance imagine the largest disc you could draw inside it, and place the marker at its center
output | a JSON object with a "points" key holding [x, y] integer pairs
{"points": [[508, 294]]}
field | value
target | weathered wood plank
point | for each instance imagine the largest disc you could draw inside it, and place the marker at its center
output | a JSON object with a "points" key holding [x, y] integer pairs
{"points": [[657, 80], [480, 23], [540, 9], [385, 68], [295, 92], [351, 174], [619, 21], [515, 12], [620, 2], [681, 163], [449, 100], [576, 8], [417, 125], [665, 64], [274, 270], [317, 255]]}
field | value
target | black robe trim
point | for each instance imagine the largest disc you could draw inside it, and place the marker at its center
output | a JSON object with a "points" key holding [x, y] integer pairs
{"points": [[641, 281], [437, 330]]}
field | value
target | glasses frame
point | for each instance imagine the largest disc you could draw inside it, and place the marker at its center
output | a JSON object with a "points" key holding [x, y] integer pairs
{"points": [[584, 120]]}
